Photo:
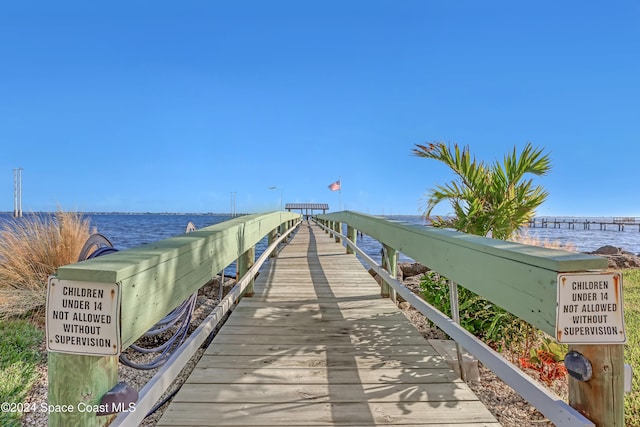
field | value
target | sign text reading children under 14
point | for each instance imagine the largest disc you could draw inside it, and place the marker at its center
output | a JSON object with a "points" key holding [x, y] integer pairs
{"points": [[83, 317], [590, 309]]}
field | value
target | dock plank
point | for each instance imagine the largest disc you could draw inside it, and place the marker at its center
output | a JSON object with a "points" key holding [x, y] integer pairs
{"points": [[338, 360], [343, 393], [317, 346], [469, 413]]}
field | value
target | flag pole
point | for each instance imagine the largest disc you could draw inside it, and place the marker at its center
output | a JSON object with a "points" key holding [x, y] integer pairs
{"points": [[340, 191]]}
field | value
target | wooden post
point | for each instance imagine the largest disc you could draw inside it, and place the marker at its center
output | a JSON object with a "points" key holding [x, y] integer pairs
{"points": [[245, 262], [389, 263], [336, 227], [352, 234], [601, 399], [273, 234], [79, 382]]}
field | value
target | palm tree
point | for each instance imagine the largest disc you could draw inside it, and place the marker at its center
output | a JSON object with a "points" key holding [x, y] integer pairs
{"points": [[487, 199]]}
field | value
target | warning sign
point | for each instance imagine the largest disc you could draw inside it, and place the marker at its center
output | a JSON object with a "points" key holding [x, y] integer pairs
{"points": [[590, 309], [83, 317]]}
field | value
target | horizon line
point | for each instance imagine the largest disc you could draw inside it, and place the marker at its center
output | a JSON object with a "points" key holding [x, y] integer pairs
{"points": [[252, 213]]}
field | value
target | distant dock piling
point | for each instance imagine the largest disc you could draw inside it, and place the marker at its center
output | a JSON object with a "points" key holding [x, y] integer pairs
{"points": [[569, 223]]}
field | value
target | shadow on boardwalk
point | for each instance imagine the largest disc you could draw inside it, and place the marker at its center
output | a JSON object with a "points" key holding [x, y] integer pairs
{"points": [[316, 345]]}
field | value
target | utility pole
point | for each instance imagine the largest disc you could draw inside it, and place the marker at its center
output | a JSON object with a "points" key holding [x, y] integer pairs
{"points": [[17, 192], [233, 204]]}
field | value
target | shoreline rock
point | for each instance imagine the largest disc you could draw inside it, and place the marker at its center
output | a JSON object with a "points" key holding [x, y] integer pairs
{"points": [[617, 257]]}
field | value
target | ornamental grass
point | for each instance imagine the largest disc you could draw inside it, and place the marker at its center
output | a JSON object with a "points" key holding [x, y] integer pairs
{"points": [[526, 239], [31, 249]]}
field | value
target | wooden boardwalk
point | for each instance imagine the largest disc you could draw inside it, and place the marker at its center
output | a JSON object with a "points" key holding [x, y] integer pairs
{"points": [[317, 345]]}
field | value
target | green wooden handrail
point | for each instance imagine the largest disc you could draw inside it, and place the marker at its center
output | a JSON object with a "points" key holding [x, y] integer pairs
{"points": [[153, 279], [522, 279]]}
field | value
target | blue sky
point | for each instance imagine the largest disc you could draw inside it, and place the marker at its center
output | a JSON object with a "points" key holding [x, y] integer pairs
{"points": [[165, 106]]}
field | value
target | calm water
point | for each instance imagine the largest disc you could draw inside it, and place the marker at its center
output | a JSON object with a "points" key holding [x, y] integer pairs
{"points": [[130, 230], [578, 238]]}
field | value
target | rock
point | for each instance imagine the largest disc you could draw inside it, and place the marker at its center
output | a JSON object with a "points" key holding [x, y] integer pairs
{"points": [[607, 250], [413, 281], [408, 273], [379, 278], [410, 269], [404, 306], [624, 261], [617, 257]]}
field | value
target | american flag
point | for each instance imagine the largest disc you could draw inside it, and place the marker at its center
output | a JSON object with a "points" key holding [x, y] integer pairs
{"points": [[335, 186]]}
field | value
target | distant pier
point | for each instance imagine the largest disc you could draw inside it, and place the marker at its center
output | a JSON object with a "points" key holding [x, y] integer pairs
{"points": [[585, 223]]}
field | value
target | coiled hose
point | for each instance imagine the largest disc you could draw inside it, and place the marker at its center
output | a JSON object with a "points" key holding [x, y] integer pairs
{"points": [[179, 318]]}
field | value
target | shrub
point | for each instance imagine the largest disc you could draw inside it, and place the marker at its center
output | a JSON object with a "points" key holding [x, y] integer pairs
{"points": [[547, 360], [488, 199], [31, 249], [494, 325], [522, 236]]}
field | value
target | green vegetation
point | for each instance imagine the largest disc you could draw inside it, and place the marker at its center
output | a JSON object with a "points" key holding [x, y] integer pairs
{"points": [[497, 327], [19, 355], [487, 199], [631, 295], [547, 359], [494, 325]]}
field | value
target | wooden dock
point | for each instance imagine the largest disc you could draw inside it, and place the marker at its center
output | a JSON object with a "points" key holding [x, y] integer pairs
{"points": [[586, 223], [317, 345]]}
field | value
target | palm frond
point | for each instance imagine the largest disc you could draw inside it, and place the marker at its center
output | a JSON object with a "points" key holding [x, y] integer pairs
{"points": [[488, 199]]}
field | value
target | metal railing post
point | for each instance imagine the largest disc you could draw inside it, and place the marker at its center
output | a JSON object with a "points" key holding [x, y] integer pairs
{"points": [[455, 315]]}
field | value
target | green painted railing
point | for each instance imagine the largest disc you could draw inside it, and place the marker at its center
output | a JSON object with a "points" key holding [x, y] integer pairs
{"points": [[521, 279], [152, 279]]}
